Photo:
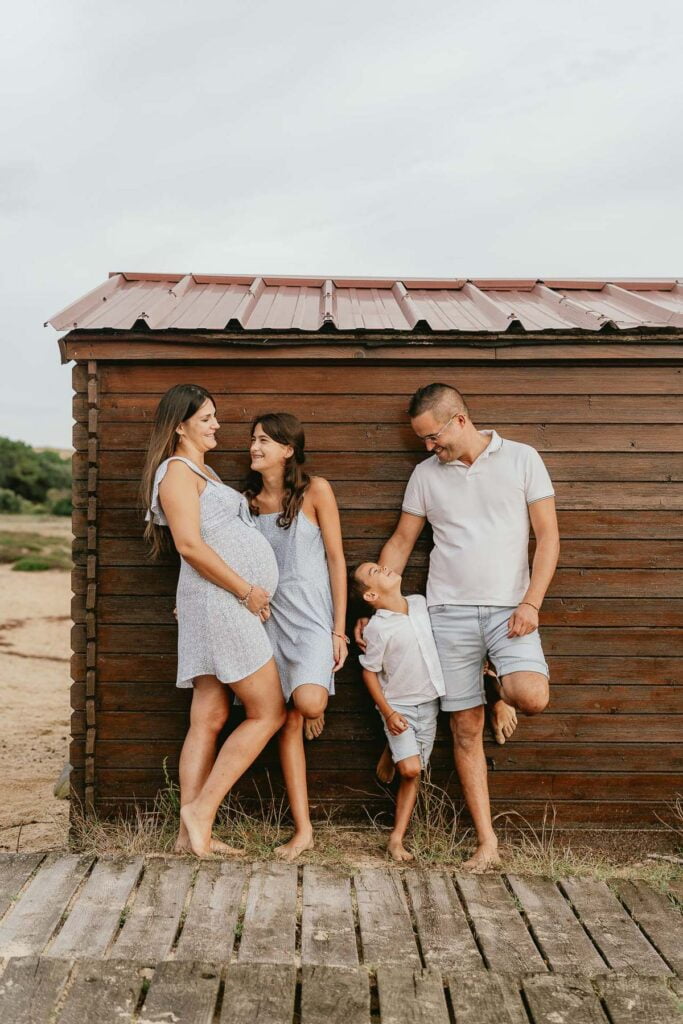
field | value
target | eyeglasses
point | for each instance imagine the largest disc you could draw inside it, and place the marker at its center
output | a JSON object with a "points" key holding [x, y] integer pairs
{"points": [[437, 435]]}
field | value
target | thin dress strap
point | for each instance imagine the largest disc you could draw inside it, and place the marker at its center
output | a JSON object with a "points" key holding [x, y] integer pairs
{"points": [[155, 511]]}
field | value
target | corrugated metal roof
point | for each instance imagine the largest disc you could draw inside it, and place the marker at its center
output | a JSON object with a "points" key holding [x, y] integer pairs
{"points": [[204, 302]]}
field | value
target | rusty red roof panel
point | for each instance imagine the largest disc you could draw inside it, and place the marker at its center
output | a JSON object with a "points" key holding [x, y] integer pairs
{"points": [[219, 302]]}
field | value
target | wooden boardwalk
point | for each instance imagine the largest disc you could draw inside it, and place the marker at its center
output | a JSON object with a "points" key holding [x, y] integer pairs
{"points": [[152, 940]]}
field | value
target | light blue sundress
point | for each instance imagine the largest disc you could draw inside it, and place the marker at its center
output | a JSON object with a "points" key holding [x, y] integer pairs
{"points": [[301, 620]]}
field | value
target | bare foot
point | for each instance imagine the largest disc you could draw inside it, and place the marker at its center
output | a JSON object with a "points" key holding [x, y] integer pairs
{"points": [[398, 852], [217, 846], [485, 858], [298, 844], [503, 721], [385, 770], [313, 727], [198, 831]]}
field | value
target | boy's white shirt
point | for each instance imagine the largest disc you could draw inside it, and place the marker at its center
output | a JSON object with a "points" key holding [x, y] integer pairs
{"points": [[401, 650]]}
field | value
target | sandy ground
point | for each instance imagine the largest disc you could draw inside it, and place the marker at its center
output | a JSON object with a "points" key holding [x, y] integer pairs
{"points": [[34, 692]]}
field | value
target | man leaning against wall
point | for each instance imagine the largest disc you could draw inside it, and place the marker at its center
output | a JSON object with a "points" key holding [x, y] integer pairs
{"points": [[480, 493]]}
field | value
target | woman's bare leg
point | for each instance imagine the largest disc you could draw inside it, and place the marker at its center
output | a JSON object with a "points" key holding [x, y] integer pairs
{"points": [[208, 714], [310, 701], [261, 696]]}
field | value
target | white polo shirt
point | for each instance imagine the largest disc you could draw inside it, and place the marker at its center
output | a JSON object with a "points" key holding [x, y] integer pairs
{"points": [[480, 521], [401, 650]]}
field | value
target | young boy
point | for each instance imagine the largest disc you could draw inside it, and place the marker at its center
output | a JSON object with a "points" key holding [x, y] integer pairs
{"points": [[403, 675]]}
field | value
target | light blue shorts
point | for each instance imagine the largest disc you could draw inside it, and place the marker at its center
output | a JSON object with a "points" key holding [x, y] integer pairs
{"points": [[418, 738], [465, 635]]}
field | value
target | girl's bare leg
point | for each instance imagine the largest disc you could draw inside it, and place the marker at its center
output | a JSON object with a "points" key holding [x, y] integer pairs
{"points": [[261, 696], [310, 701], [208, 714]]}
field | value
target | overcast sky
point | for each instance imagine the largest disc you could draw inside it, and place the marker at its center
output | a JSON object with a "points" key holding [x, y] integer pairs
{"points": [[357, 138]]}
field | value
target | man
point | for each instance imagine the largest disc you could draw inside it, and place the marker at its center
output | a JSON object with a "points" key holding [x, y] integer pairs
{"points": [[479, 493]]}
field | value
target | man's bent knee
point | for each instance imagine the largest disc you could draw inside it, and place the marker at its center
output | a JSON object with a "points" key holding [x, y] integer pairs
{"points": [[528, 692]]}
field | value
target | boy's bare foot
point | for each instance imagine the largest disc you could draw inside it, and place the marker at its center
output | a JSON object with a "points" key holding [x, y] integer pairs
{"points": [[198, 831], [313, 727], [298, 844], [385, 770], [503, 721], [485, 858], [398, 852]]}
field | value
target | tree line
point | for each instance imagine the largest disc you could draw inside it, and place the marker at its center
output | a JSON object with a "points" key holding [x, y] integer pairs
{"points": [[33, 481]]}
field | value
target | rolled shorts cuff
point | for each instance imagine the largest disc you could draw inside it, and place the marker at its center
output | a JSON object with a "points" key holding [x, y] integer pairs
{"points": [[453, 704], [508, 665]]}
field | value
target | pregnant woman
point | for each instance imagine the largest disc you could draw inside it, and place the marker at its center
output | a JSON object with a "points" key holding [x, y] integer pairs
{"points": [[299, 517], [228, 574]]}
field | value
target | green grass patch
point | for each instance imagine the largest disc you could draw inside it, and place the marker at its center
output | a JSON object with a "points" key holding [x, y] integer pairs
{"points": [[33, 552]]}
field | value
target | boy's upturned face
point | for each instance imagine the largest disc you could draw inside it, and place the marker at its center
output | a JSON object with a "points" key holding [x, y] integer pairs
{"points": [[378, 581]]}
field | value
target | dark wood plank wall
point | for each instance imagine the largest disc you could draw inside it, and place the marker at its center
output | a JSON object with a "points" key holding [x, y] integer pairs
{"points": [[608, 748]]}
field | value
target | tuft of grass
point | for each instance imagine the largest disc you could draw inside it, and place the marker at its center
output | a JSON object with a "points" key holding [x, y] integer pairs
{"points": [[436, 837]]}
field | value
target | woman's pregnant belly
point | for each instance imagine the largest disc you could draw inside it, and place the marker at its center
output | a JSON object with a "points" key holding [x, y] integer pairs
{"points": [[246, 551]]}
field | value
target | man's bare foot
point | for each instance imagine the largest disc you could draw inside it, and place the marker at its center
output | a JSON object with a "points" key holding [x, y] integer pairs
{"points": [[198, 831], [298, 844], [313, 727], [485, 858], [503, 721], [398, 852], [217, 846], [385, 770]]}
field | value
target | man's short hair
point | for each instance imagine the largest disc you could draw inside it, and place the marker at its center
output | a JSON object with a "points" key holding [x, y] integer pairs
{"points": [[437, 396]]}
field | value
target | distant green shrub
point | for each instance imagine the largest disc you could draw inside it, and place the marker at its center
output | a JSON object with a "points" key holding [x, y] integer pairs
{"points": [[9, 501], [33, 563], [61, 507], [31, 474]]}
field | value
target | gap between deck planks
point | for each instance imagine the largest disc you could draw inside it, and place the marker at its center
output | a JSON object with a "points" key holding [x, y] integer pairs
{"points": [[40, 990], [155, 909]]}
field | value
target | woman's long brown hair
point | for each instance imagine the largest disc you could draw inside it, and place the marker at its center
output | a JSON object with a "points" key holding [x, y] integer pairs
{"points": [[177, 405], [285, 429]]}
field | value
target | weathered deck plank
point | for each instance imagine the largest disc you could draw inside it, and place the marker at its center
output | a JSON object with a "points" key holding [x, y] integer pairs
{"points": [[328, 934], [555, 927], [334, 995], [150, 927], [106, 991], [484, 998], [411, 996], [30, 988], [15, 870], [269, 928], [259, 994], [385, 926], [635, 1000], [619, 940], [657, 917], [554, 999], [29, 924], [209, 930], [95, 916], [181, 992], [499, 928], [445, 936]]}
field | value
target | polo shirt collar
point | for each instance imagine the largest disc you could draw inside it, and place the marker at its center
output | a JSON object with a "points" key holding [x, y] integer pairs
{"points": [[494, 445]]}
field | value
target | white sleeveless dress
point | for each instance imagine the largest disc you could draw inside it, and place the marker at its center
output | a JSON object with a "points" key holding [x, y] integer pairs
{"points": [[216, 634]]}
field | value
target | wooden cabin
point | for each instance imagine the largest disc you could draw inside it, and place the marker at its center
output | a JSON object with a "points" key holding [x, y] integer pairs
{"points": [[588, 372]]}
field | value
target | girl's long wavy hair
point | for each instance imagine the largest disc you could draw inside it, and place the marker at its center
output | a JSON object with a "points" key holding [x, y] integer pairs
{"points": [[285, 429], [177, 405]]}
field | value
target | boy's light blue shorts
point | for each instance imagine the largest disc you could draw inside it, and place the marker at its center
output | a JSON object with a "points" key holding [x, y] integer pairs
{"points": [[418, 738], [465, 634]]}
